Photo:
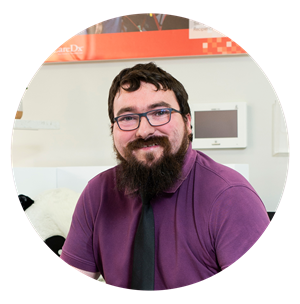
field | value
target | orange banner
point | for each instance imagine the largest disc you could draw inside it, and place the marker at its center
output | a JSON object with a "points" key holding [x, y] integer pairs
{"points": [[131, 45]]}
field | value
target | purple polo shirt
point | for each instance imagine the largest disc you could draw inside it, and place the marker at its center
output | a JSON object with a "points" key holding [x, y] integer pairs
{"points": [[203, 224]]}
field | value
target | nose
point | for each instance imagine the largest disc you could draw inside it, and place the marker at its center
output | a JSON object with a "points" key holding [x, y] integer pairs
{"points": [[145, 129]]}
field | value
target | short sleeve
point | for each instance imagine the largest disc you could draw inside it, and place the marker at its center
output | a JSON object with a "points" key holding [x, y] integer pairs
{"points": [[78, 247], [238, 218]]}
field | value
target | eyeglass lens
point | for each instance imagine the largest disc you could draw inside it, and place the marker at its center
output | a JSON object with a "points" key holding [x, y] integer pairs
{"points": [[155, 118]]}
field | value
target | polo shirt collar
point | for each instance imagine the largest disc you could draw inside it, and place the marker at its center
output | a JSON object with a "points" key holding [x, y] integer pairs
{"points": [[188, 164]]}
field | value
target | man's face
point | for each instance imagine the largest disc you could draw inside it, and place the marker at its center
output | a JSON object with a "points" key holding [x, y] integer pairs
{"points": [[146, 98]]}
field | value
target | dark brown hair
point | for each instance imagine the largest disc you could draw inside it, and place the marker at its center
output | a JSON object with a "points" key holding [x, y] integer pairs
{"points": [[149, 73]]}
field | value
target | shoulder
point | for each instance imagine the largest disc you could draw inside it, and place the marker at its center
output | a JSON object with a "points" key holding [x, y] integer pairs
{"points": [[103, 181], [106, 175], [216, 182], [229, 187], [97, 188], [217, 173]]}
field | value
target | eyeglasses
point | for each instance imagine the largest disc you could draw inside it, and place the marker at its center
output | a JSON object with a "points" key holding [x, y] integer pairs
{"points": [[159, 117]]}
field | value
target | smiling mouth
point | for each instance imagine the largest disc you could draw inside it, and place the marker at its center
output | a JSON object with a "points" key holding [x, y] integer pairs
{"points": [[150, 143], [147, 146]]}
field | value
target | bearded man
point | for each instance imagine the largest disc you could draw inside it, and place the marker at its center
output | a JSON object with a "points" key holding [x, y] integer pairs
{"points": [[167, 216]]}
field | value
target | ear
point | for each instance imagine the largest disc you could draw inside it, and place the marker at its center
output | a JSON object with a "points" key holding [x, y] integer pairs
{"points": [[188, 123]]}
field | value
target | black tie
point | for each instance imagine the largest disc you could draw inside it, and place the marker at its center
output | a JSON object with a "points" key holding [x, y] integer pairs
{"points": [[143, 251]]}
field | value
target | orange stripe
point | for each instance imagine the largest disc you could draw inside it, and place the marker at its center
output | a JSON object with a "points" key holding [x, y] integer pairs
{"points": [[165, 43]]}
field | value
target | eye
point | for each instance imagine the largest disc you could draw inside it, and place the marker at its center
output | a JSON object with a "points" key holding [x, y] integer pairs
{"points": [[160, 112], [127, 118]]}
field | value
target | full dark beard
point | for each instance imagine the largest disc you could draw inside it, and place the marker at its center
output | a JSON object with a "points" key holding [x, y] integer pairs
{"points": [[152, 179]]}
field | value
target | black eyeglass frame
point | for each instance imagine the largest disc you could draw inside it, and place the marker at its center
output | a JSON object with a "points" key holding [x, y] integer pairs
{"points": [[145, 115]]}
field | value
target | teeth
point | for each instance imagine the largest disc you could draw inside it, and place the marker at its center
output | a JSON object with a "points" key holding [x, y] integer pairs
{"points": [[150, 145]]}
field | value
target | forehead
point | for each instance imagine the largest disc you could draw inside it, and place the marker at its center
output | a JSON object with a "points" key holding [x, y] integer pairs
{"points": [[143, 98]]}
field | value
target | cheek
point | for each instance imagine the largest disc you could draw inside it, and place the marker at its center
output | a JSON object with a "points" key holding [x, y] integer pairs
{"points": [[117, 139], [176, 139], [121, 139]]}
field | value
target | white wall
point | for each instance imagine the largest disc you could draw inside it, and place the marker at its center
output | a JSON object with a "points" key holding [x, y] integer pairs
{"points": [[75, 94]]}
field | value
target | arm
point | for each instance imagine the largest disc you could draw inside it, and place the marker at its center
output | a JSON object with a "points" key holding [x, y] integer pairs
{"points": [[93, 275], [78, 249], [237, 221]]}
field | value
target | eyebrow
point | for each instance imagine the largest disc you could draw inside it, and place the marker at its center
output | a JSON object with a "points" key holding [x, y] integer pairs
{"points": [[152, 106]]}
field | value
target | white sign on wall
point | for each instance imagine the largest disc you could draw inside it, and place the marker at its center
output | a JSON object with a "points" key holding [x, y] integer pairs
{"points": [[199, 30]]}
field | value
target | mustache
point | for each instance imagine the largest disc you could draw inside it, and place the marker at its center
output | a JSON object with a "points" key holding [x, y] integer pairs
{"points": [[153, 140]]}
